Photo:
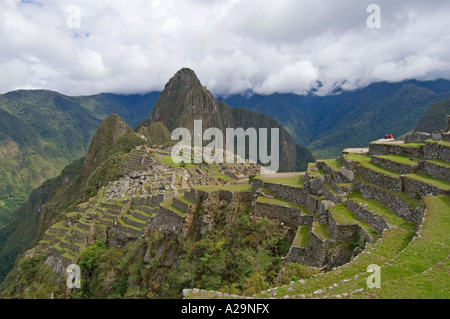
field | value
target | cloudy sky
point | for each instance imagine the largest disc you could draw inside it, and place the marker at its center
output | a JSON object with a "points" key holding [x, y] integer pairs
{"points": [[80, 47]]}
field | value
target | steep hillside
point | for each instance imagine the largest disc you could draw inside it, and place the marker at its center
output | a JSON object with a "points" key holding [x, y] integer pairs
{"points": [[77, 182], [434, 117], [184, 100], [42, 131]]}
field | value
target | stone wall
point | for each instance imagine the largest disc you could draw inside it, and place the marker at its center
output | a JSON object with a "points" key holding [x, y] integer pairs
{"points": [[316, 255], [167, 221], [399, 149], [417, 189], [434, 170], [181, 205], [401, 207], [380, 179], [288, 215], [437, 151], [284, 192], [373, 218], [190, 195], [342, 232], [312, 202], [395, 166]]}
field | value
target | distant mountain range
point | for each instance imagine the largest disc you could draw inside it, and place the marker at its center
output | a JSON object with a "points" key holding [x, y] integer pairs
{"points": [[42, 131]]}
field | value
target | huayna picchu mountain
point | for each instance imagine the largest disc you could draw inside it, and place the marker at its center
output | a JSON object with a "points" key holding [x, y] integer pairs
{"points": [[185, 99], [139, 225]]}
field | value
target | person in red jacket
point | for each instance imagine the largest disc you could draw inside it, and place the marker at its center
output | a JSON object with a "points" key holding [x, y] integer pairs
{"points": [[391, 136]]}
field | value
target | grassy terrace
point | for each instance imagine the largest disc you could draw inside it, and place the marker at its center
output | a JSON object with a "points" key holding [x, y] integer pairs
{"points": [[167, 160], [365, 161], [412, 202], [218, 175], [404, 277], [443, 143], [402, 159], [280, 202], [387, 247], [389, 215], [439, 162], [342, 215], [122, 222], [442, 184], [321, 230], [294, 180], [303, 237], [182, 199], [232, 188], [168, 204], [137, 220], [60, 225], [335, 164]]}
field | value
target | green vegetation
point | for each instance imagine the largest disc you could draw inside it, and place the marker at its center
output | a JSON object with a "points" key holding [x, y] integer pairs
{"points": [[303, 237], [280, 202], [233, 188], [442, 184], [434, 117], [342, 215], [167, 160], [365, 160], [321, 230], [388, 214], [402, 159], [296, 180], [168, 204]]}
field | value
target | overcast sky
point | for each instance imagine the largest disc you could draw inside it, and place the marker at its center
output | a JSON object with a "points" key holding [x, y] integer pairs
{"points": [[82, 47]]}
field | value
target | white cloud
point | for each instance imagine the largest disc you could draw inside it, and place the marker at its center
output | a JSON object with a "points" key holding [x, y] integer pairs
{"points": [[238, 45]]}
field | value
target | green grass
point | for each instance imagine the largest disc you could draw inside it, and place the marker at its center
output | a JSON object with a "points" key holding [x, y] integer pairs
{"points": [[60, 225], [404, 277], [442, 184], [402, 159], [389, 215], [280, 202], [335, 164], [443, 143], [296, 180], [233, 188], [167, 160], [365, 161], [218, 175], [168, 204], [412, 202], [137, 220], [321, 230], [342, 215], [388, 246], [122, 222], [412, 145], [303, 237], [440, 162], [182, 199]]}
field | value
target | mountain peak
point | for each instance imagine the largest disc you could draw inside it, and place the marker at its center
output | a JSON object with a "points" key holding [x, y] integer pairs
{"points": [[184, 100]]}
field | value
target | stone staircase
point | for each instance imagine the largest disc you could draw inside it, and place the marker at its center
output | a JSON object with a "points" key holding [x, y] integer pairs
{"points": [[136, 160]]}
